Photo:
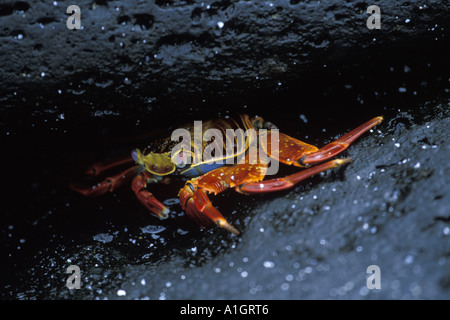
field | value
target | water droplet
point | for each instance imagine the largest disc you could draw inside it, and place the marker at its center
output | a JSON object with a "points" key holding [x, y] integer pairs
{"points": [[171, 201], [153, 229], [103, 237], [285, 286], [363, 291], [409, 259], [303, 118]]}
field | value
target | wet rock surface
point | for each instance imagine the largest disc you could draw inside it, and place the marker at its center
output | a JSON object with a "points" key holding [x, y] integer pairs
{"points": [[169, 50], [390, 207]]}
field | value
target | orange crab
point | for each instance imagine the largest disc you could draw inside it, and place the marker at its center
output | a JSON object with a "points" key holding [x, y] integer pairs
{"points": [[162, 158]]}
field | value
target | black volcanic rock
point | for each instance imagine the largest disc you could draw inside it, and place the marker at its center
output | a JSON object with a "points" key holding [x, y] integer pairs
{"points": [[72, 97], [144, 50]]}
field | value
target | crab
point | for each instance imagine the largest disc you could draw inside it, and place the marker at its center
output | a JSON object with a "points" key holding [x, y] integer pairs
{"points": [[164, 157]]}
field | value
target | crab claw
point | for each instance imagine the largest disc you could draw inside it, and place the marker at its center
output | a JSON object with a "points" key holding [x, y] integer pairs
{"points": [[149, 201], [153, 205], [203, 205], [197, 206]]}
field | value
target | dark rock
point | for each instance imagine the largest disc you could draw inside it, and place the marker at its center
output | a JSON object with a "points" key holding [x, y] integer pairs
{"points": [[390, 207], [170, 50]]}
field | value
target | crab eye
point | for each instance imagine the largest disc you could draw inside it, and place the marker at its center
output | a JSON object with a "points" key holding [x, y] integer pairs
{"points": [[181, 160], [135, 155]]}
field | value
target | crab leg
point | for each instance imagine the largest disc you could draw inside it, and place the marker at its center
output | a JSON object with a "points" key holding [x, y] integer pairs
{"points": [[194, 196], [289, 181], [298, 153], [336, 147], [149, 201], [195, 202], [98, 168], [198, 206], [109, 184], [204, 205]]}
